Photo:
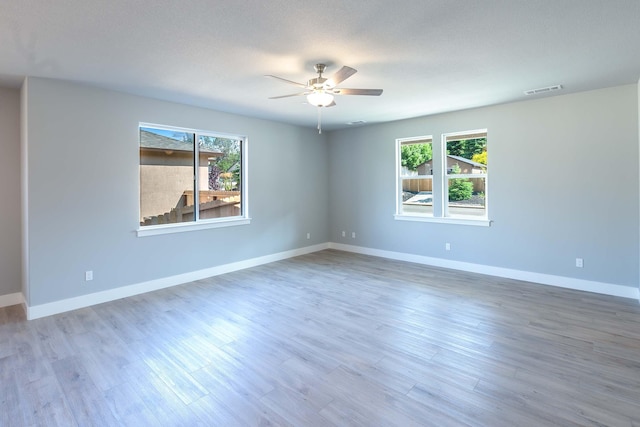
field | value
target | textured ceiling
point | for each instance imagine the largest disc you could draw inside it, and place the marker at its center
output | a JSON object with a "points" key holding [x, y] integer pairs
{"points": [[429, 56]]}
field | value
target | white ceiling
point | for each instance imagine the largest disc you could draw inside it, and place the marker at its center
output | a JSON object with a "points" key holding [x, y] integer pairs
{"points": [[429, 56]]}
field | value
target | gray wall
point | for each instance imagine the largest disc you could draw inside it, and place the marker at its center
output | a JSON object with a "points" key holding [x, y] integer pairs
{"points": [[83, 191], [10, 272], [563, 184]]}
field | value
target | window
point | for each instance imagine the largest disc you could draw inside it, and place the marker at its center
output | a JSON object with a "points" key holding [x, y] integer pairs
{"points": [[416, 176], [466, 177], [190, 177], [444, 182]]}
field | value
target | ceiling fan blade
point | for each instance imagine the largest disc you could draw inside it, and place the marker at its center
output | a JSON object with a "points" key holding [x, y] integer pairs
{"points": [[371, 92], [291, 82], [341, 75], [287, 96]]}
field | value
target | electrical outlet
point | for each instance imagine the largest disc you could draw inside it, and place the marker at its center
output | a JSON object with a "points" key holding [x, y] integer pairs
{"points": [[308, 236], [579, 262], [353, 234], [344, 233], [447, 246], [88, 275]]}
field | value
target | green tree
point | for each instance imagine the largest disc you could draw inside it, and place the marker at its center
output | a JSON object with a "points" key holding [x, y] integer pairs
{"points": [[228, 163], [459, 188], [466, 147], [413, 155]]}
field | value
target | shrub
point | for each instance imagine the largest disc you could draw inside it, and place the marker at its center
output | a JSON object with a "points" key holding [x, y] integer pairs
{"points": [[480, 158], [460, 189]]}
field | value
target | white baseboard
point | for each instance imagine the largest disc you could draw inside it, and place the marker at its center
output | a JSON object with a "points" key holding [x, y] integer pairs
{"points": [[540, 278], [56, 307], [11, 299]]}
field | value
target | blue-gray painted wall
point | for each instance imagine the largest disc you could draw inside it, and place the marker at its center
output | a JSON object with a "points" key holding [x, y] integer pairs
{"points": [[563, 184], [83, 193]]}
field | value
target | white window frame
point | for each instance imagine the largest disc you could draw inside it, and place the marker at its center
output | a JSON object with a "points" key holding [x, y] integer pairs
{"points": [[400, 177], [440, 182], [197, 223]]}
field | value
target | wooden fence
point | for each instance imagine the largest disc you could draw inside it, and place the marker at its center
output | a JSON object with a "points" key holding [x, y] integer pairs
{"points": [[209, 196], [417, 185], [218, 204]]}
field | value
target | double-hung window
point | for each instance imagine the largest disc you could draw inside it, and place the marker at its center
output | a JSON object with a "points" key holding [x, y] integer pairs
{"points": [[445, 182], [190, 179]]}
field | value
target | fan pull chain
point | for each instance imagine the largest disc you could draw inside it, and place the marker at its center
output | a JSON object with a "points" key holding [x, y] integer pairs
{"points": [[319, 120]]}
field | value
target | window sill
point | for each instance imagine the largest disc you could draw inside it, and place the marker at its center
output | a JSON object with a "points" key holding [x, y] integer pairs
{"points": [[483, 222], [153, 230]]}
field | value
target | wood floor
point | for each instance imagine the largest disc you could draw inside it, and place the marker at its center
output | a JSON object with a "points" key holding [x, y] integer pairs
{"points": [[326, 339]]}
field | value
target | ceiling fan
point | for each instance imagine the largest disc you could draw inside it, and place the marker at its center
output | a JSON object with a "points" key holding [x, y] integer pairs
{"points": [[320, 91]]}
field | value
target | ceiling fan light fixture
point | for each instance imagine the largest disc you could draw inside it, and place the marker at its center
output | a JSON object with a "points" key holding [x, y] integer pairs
{"points": [[320, 91], [320, 98]]}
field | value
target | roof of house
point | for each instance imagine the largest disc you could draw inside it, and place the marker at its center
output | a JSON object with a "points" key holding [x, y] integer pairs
{"points": [[469, 161], [461, 159], [154, 141]]}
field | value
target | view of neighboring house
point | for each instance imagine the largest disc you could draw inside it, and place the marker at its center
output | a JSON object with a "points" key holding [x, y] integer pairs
{"points": [[466, 166], [166, 172], [167, 185]]}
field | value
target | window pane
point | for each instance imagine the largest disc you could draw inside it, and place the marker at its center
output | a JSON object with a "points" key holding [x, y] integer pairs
{"points": [[467, 197], [220, 177], [416, 160], [466, 155], [166, 176], [417, 196]]}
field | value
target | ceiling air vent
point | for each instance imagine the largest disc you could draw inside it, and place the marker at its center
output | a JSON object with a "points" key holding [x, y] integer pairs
{"points": [[543, 90]]}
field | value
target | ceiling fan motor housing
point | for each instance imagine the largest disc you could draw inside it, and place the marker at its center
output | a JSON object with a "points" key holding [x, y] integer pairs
{"points": [[319, 68], [316, 83]]}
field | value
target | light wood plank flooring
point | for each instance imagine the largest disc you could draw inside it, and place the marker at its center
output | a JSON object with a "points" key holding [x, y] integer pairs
{"points": [[329, 338]]}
